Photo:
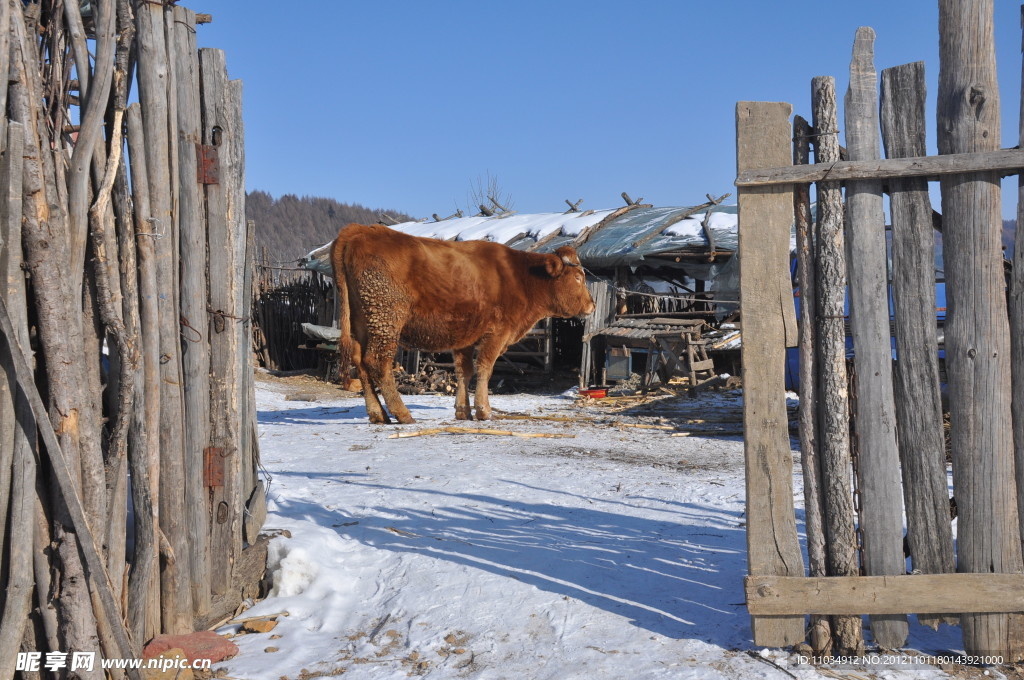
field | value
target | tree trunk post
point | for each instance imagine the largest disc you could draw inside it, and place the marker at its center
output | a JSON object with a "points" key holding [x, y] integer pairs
{"points": [[977, 328], [881, 500], [918, 400]]}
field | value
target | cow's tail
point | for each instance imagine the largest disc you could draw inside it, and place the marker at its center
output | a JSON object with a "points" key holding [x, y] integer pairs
{"points": [[344, 313]]}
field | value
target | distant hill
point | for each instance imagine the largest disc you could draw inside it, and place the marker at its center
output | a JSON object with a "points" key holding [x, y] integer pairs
{"points": [[289, 227]]}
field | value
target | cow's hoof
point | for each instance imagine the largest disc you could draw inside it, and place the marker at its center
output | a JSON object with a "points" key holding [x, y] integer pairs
{"points": [[483, 415], [463, 415], [381, 419], [406, 420]]}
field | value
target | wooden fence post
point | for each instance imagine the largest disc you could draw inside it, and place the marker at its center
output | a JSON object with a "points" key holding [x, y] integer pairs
{"points": [[144, 586], [195, 336], [918, 400], [12, 286], [222, 131], [1016, 314], [881, 497], [834, 442], [977, 329], [821, 635], [763, 139], [18, 429], [154, 95]]}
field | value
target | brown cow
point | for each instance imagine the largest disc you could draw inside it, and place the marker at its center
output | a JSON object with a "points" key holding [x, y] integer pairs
{"points": [[458, 296]]}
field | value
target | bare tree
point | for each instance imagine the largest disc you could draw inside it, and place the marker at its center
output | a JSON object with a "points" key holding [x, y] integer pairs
{"points": [[487, 197]]}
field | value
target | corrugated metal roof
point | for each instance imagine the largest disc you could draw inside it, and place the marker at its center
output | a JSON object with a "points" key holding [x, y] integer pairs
{"points": [[629, 239]]}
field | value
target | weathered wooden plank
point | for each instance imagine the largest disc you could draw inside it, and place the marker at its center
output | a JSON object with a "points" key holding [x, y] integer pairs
{"points": [[780, 595], [765, 215], [918, 400], [255, 513], [881, 497], [232, 154], [250, 438], [977, 328], [833, 401], [1005, 161]]}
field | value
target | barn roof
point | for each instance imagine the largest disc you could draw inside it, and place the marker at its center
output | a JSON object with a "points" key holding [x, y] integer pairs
{"points": [[603, 238]]}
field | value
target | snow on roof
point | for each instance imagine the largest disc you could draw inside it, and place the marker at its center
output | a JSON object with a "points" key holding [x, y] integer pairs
{"points": [[503, 229], [610, 237]]}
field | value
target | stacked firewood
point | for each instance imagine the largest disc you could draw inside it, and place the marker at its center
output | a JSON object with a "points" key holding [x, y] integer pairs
{"points": [[429, 380]]}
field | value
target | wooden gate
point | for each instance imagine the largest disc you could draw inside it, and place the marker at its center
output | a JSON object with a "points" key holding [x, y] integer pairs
{"points": [[153, 268], [866, 426]]}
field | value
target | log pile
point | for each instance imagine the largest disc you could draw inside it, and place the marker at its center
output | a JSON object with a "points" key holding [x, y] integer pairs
{"points": [[428, 380]]}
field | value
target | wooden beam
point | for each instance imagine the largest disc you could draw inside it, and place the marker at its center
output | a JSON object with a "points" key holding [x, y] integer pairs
{"points": [[766, 300], [1006, 161], [856, 595]]}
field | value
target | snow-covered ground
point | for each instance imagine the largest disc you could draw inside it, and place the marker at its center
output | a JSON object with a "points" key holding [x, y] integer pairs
{"points": [[607, 551]]}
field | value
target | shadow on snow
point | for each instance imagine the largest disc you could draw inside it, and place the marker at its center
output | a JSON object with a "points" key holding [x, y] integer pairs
{"points": [[354, 414], [679, 575]]}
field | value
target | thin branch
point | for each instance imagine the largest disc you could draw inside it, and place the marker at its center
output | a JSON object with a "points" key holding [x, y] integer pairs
{"points": [[101, 221]]}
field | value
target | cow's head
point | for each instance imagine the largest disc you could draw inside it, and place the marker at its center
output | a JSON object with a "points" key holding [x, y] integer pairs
{"points": [[571, 297]]}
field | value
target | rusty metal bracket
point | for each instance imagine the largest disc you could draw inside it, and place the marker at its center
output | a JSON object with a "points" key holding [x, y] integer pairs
{"points": [[207, 164], [213, 466]]}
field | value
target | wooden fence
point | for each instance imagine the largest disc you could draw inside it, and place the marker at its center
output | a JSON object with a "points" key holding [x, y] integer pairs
{"points": [[155, 270], [865, 429], [282, 301]]}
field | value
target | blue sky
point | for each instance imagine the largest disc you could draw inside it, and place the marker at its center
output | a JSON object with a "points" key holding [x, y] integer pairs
{"points": [[407, 104]]}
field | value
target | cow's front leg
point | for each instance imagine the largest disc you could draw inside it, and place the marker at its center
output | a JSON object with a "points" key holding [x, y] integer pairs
{"points": [[488, 352], [463, 374]]}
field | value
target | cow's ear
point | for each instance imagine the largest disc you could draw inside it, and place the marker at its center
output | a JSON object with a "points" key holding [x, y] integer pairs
{"points": [[553, 265]]}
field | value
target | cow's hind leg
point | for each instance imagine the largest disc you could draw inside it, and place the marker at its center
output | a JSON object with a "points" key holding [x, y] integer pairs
{"points": [[463, 374], [378, 361], [373, 408]]}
